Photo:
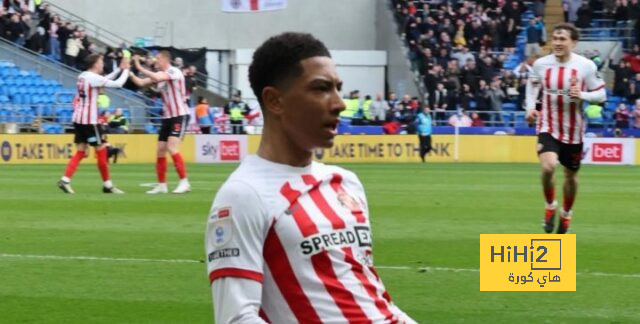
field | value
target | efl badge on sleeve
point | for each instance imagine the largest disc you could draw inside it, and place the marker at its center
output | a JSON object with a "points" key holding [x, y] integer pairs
{"points": [[220, 227]]}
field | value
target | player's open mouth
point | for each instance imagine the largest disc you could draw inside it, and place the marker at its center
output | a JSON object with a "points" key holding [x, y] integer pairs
{"points": [[332, 127]]}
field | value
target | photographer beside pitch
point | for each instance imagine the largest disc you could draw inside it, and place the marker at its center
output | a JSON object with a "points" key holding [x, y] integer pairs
{"points": [[288, 239], [567, 79]]}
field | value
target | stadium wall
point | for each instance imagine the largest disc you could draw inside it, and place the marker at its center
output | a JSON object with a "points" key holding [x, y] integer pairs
{"points": [[343, 25], [57, 149]]}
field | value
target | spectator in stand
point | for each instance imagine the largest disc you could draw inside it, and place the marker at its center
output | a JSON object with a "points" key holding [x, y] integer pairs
{"points": [[636, 114], [622, 75], [378, 110], [190, 81], [483, 101], [118, 123], [110, 60], [632, 92], [584, 16], [571, 10], [14, 31], [38, 41], [431, 79], [54, 41], [622, 11], [74, 45], [202, 115], [439, 103], [393, 100], [621, 116], [463, 55], [496, 95], [534, 37], [64, 33], [470, 75], [634, 61], [466, 96], [4, 22], [460, 120], [179, 63], [451, 76], [476, 121]]}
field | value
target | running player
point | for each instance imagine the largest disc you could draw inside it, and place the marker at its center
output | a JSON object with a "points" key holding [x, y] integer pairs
{"points": [[288, 239], [170, 81], [85, 120], [566, 79]]}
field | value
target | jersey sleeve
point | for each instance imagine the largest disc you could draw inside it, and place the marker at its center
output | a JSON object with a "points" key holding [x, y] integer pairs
{"points": [[99, 81], [236, 228], [171, 74], [593, 79]]}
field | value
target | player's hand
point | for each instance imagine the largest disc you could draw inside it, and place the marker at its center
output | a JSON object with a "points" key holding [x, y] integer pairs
{"points": [[532, 116], [125, 64], [136, 61], [574, 92]]}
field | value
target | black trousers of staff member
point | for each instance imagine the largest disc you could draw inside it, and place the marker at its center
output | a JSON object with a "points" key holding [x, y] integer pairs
{"points": [[425, 145]]}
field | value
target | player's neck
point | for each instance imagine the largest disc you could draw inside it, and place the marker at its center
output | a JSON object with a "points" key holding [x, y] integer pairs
{"points": [[563, 59], [276, 147]]}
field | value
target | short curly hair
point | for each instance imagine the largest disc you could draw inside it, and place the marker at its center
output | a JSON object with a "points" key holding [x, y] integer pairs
{"points": [[278, 59]]}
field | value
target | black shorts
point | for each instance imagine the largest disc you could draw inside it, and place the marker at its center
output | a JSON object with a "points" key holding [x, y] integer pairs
{"points": [[88, 134], [569, 155], [174, 126]]}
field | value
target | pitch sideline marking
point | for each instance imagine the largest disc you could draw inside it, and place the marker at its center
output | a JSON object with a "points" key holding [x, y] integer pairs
{"points": [[427, 269]]}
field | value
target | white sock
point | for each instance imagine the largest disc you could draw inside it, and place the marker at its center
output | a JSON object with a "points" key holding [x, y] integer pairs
{"points": [[65, 179], [552, 205], [108, 184], [185, 180]]}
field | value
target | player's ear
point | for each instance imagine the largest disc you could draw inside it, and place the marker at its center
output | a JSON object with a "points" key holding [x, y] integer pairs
{"points": [[272, 99]]}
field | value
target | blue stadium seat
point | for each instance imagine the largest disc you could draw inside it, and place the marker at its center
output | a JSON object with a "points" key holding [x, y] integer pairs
{"points": [[520, 121], [150, 129], [4, 115], [4, 99], [509, 106]]}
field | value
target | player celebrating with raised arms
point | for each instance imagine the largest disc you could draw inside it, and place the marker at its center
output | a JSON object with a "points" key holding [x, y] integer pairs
{"points": [[566, 79], [85, 120], [171, 85], [288, 239]]}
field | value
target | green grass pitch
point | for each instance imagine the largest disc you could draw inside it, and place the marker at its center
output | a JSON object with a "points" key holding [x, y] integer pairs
{"points": [[427, 215]]}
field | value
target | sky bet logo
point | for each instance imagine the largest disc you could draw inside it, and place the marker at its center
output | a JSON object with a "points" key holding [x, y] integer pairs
{"points": [[521, 262]]}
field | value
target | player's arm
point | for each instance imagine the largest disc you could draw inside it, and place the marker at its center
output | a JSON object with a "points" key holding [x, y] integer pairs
{"points": [[154, 76], [118, 83], [140, 82], [532, 90], [237, 300], [595, 87], [236, 229], [112, 75]]}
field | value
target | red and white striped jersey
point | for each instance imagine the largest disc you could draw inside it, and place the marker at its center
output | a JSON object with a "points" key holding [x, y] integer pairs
{"points": [[173, 92], [304, 233], [562, 116], [85, 110]]}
